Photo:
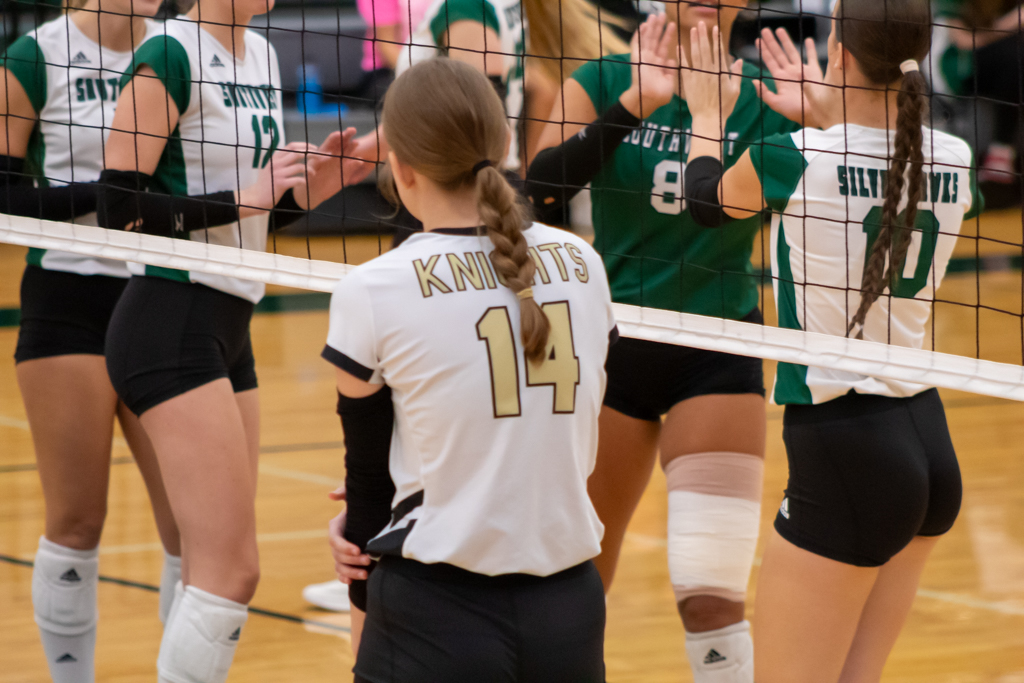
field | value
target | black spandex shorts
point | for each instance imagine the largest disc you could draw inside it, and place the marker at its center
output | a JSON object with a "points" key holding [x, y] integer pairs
{"points": [[64, 313], [867, 474], [170, 337], [433, 623], [645, 378]]}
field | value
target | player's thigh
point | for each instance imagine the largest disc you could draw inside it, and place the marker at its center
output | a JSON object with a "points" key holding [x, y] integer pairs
{"points": [[70, 407], [728, 423]]}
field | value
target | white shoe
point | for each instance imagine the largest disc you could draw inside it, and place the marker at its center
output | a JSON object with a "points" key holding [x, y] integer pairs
{"points": [[330, 595]]}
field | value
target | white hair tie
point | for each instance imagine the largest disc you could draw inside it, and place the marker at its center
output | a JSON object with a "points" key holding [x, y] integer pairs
{"points": [[909, 65]]}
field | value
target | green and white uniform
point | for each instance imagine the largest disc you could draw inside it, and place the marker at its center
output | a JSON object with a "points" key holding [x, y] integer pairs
{"points": [[230, 123], [69, 79], [504, 17], [827, 203], [655, 254]]}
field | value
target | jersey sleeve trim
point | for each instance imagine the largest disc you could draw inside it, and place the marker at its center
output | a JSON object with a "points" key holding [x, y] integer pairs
{"points": [[167, 57], [454, 11], [779, 166], [25, 60], [343, 362]]}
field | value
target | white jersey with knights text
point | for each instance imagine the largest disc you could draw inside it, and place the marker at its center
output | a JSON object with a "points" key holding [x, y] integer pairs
{"points": [[230, 123], [826, 189], [69, 79], [490, 453], [504, 17]]}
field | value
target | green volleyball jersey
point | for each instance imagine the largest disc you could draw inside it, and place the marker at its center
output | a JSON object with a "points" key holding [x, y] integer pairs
{"points": [[504, 17], [72, 83], [826, 189], [654, 252], [230, 122]]}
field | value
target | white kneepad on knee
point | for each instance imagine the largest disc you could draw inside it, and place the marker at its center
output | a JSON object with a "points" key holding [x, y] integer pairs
{"points": [[714, 515], [64, 592], [725, 655], [200, 639]]}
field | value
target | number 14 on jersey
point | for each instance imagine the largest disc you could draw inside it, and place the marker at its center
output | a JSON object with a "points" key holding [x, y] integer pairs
{"points": [[560, 368]]}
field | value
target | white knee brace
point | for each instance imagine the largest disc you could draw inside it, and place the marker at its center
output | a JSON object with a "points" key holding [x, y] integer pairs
{"points": [[725, 655], [200, 639], [64, 584], [714, 511]]}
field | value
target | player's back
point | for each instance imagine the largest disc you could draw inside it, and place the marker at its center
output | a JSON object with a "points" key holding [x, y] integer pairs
{"points": [[491, 452]]}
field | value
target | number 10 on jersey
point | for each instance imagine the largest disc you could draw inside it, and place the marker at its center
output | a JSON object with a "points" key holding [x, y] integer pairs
{"points": [[560, 368]]}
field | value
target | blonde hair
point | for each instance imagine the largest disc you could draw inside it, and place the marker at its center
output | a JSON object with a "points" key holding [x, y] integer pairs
{"points": [[443, 118], [574, 30]]}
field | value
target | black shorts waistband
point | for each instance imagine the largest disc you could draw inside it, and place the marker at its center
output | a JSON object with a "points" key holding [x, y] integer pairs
{"points": [[849, 405], [449, 573]]}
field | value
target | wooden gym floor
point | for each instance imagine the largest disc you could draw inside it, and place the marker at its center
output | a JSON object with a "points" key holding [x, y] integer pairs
{"points": [[967, 624]]}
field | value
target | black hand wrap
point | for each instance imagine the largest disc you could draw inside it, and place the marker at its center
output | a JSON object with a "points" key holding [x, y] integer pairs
{"points": [[557, 174], [702, 178], [285, 212], [18, 196], [368, 424], [124, 204]]}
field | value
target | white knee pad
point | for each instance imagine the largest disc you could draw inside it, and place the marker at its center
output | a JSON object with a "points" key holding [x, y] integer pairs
{"points": [[64, 584], [170, 577], [200, 639], [714, 514], [725, 655]]}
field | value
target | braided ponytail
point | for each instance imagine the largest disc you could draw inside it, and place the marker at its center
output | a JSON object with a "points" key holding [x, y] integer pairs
{"points": [[882, 35], [885, 263], [442, 117], [503, 215]]}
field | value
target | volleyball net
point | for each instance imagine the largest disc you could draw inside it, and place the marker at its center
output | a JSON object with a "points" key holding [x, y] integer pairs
{"points": [[326, 86]]}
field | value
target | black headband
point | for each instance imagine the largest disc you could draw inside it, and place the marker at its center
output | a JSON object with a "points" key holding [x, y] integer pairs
{"points": [[481, 165]]}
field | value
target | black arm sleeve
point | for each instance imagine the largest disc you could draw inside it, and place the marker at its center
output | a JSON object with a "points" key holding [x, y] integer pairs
{"points": [[499, 87], [702, 178], [124, 204], [286, 212], [557, 174], [368, 424], [19, 197]]}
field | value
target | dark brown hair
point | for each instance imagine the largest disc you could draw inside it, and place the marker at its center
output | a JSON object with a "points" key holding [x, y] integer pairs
{"points": [[881, 35], [443, 118]]}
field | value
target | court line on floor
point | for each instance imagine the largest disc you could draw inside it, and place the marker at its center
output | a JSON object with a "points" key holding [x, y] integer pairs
{"points": [[272, 537], [128, 583]]}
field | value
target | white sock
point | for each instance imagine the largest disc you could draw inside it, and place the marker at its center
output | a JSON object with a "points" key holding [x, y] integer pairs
{"points": [[725, 655], [200, 638], [64, 587], [169, 578]]}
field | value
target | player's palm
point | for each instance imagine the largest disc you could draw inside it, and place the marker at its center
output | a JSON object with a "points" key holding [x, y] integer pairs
{"points": [[711, 83], [800, 91], [655, 72], [285, 171]]}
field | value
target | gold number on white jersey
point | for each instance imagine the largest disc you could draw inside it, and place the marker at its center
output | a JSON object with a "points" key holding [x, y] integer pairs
{"points": [[560, 368]]}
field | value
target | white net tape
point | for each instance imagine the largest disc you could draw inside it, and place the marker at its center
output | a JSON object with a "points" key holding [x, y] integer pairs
{"points": [[746, 339]]}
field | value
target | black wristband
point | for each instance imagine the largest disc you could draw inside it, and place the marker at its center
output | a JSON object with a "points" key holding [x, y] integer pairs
{"points": [[702, 178], [285, 212], [557, 174], [126, 205]]}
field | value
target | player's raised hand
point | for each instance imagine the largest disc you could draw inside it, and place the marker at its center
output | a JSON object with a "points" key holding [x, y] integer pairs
{"points": [[800, 91], [711, 80], [655, 69], [285, 171]]}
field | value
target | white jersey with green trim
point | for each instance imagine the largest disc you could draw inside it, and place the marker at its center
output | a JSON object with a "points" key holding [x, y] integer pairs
{"points": [[491, 452], [504, 17], [826, 189], [230, 123], [69, 79]]}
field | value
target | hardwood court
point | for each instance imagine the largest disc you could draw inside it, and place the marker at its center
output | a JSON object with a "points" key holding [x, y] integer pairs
{"points": [[967, 624]]}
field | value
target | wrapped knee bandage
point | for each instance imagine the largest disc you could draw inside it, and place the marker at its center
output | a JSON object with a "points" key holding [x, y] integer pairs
{"points": [[714, 506]]}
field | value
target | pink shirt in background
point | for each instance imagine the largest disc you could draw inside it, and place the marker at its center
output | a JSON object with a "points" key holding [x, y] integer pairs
{"points": [[388, 13]]}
